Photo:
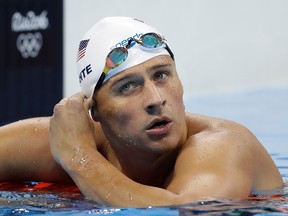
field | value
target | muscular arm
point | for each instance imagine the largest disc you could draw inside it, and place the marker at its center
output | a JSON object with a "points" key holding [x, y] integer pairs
{"points": [[210, 175], [102, 182], [225, 160], [25, 152]]}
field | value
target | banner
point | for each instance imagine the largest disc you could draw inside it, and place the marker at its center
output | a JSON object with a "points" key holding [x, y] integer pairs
{"points": [[31, 58]]}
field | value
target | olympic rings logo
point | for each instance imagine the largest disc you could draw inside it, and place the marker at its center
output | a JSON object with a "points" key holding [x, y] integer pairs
{"points": [[29, 44]]}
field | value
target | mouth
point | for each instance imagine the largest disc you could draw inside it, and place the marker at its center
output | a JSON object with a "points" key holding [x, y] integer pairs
{"points": [[157, 124], [159, 127]]}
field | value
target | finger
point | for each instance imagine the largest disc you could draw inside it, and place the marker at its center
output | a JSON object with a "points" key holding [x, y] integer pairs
{"points": [[80, 96], [64, 100], [77, 97]]}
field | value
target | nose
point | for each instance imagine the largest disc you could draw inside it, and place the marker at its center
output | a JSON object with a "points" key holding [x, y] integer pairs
{"points": [[155, 100]]}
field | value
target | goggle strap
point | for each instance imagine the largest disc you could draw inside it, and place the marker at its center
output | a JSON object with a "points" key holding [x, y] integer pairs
{"points": [[99, 83], [169, 51]]}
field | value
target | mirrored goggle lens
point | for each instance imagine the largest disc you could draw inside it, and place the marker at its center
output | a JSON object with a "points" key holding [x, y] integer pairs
{"points": [[116, 57], [151, 40]]}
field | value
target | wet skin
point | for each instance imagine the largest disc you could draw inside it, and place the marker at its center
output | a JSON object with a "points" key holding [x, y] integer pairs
{"points": [[142, 147]]}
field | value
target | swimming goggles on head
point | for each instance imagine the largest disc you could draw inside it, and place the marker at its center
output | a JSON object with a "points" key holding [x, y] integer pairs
{"points": [[119, 54]]}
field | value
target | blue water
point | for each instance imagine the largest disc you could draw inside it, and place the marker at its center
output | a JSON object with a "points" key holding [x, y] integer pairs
{"points": [[264, 112]]}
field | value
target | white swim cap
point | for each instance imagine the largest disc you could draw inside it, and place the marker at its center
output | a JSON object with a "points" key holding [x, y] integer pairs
{"points": [[104, 36]]}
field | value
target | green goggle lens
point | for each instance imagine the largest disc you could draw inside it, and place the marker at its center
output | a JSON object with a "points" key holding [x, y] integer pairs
{"points": [[150, 41]]}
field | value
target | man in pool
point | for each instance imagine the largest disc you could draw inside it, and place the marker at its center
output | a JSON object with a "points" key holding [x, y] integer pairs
{"points": [[142, 149]]}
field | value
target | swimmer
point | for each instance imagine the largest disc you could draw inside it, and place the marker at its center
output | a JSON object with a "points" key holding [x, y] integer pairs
{"points": [[126, 140]]}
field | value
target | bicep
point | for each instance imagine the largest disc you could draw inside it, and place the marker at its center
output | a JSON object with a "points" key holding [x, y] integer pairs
{"points": [[25, 151]]}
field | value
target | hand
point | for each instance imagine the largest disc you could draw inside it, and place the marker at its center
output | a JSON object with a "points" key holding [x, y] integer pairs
{"points": [[71, 128]]}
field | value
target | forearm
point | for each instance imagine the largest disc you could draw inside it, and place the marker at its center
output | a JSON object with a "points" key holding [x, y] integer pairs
{"points": [[102, 182], [25, 152]]}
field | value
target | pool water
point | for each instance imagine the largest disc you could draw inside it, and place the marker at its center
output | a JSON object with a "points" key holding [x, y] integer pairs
{"points": [[264, 112], [31, 201]]}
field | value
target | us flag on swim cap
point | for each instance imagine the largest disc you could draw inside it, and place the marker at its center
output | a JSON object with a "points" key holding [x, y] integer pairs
{"points": [[82, 49]]}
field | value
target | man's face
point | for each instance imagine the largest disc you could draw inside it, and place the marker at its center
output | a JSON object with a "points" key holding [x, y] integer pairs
{"points": [[142, 107]]}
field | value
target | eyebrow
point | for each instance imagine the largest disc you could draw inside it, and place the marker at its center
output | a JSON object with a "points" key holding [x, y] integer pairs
{"points": [[155, 67], [128, 76]]}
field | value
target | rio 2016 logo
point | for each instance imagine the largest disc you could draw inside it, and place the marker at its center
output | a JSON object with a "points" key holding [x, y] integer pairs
{"points": [[29, 43]]}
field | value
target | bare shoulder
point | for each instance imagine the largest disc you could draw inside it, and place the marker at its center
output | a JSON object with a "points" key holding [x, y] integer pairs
{"points": [[224, 159], [199, 123], [224, 139], [229, 133], [227, 139]]}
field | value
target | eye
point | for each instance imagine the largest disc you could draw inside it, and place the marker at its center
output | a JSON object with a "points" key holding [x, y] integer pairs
{"points": [[160, 75], [127, 87]]}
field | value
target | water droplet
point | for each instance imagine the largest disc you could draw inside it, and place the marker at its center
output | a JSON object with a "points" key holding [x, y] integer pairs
{"points": [[130, 197], [82, 161]]}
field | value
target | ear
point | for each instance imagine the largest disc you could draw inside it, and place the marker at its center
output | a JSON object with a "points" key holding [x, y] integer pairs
{"points": [[94, 113]]}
